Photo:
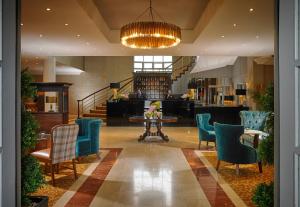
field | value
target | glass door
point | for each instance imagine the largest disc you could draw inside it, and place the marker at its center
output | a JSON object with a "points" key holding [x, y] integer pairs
{"points": [[288, 107]]}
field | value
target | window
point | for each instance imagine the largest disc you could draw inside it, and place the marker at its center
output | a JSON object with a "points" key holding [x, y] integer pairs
{"points": [[162, 64]]}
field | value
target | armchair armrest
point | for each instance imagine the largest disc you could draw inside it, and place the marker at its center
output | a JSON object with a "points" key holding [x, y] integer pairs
{"points": [[210, 127]]}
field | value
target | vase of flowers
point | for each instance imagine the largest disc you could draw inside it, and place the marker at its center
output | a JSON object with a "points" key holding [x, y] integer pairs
{"points": [[154, 111]]}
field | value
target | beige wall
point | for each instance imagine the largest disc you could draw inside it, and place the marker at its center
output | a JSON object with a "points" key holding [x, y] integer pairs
{"points": [[99, 72], [245, 70]]}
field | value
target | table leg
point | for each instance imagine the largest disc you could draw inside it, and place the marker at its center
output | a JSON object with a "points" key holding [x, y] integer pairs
{"points": [[160, 133], [146, 133]]}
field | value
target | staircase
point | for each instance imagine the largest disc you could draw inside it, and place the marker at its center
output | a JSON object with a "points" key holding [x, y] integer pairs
{"points": [[98, 112], [182, 65], [94, 105]]}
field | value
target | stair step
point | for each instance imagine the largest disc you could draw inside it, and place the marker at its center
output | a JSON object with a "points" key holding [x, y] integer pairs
{"points": [[101, 108], [98, 111], [95, 116]]}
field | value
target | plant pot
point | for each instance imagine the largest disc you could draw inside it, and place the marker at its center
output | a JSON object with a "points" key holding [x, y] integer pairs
{"points": [[39, 201]]}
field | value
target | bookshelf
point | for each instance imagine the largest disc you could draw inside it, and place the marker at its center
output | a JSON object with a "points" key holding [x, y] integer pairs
{"points": [[154, 85]]}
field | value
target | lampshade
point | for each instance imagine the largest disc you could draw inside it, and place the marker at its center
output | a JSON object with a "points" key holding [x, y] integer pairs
{"points": [[192, 84], [240, 92], [114, 85], [228, 98], [51, 99]]}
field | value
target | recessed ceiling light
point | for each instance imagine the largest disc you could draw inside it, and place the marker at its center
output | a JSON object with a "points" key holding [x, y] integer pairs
{"points": [[22, 24], [78, 35], [251, 10], [222, 36], [41, 35], [48, 9], [66, 24], [234, 25]]}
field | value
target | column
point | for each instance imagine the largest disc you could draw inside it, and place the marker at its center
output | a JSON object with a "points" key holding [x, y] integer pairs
{"points": [[49, 75]]}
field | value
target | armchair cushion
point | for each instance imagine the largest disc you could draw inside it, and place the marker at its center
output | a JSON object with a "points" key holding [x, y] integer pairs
{"points": [[42, 155]]}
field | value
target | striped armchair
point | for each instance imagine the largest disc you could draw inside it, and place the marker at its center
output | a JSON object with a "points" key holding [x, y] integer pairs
{"points": [[63, 148]]}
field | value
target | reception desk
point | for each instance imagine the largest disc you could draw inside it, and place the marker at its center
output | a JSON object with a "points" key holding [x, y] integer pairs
{"points": [[222, 114], [119, 112]]}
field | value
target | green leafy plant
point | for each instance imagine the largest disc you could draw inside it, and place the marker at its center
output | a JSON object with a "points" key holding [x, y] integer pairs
{"points": [[265, 102], [31, 176], [263, 195]]}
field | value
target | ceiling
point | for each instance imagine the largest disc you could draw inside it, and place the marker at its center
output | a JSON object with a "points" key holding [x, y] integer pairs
{"points": [[91, 27], [185, 15]]}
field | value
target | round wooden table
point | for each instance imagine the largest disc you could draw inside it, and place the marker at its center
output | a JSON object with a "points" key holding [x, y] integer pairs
{"points": [[150, 122]]}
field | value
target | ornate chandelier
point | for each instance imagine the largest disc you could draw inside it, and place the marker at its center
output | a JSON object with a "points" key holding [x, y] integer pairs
{"points": [[150, 34]]}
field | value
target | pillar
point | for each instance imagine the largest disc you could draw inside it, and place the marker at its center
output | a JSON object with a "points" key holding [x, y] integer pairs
{"points": [[49, 75]]}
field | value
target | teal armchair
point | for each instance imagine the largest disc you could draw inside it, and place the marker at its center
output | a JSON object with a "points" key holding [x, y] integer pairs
{"points": [[206, 131], [88, 137], [253, 120], [230, 149]]}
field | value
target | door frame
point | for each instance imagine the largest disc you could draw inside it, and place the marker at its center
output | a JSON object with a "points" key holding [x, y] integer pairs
{"points": [[11, 103]]}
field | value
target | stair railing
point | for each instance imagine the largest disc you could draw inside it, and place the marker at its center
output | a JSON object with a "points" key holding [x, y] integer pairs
{"points": [[182, 66], [126, 88], [97, 98]]}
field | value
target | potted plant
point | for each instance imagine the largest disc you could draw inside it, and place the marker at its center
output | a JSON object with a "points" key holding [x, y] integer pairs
{"points": [[263, 194], [31, 173]]}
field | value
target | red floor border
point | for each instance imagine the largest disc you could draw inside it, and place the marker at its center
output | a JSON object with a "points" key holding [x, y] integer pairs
{"points": [[213, 191], [87, 191]]}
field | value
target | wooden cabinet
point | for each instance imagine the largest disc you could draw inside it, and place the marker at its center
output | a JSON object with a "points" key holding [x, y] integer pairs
{"points": [[51, 106]]}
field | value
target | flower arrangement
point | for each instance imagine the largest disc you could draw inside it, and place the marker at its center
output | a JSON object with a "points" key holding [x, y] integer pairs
{"points": [[153, 112]]}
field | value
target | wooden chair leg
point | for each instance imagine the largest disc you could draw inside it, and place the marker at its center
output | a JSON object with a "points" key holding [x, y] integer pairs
{"points": [[199, 145], [237, 169], [74, 168], [52, 173], [260, 167], [98, 155], [46, 168], [57, 168], [218, 165]]}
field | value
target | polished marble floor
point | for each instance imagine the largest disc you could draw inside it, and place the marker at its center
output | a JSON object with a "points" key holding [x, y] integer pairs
{"points": [[151, 173]]}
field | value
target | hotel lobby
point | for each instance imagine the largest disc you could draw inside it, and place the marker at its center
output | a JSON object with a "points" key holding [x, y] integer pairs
{"points": [[148, 103]]}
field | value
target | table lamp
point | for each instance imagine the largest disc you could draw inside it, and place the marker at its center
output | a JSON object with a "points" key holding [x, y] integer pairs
{"points": [[51, 100], [115, 87]]}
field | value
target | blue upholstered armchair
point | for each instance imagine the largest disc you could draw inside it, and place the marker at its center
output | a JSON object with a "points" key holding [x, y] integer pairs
{"points": [[88, 136], [230, 149], [253, 120], [206, 131]]}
